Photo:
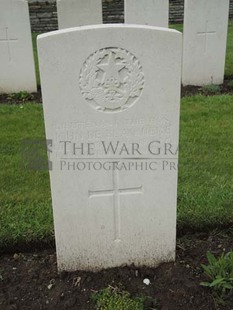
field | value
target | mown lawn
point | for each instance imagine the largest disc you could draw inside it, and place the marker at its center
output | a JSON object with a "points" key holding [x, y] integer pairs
{"points": [[25, 202], [34, 36], [205, 197], [206, 168]]}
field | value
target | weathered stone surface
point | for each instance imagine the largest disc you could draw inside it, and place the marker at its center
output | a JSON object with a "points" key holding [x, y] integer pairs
{"points": [[73, 13], [17, 71], [205, 37], [113, 86], [149, 12]]}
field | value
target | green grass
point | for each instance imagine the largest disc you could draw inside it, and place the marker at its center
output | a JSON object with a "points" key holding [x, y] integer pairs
{"points": [[114, 299], [206, 167], [34, 43], [229, 54], [179, 27], [205, 196], [25, 201]]}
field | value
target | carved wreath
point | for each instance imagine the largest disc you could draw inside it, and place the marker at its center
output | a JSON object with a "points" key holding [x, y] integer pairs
{"points": [[90, 83]]}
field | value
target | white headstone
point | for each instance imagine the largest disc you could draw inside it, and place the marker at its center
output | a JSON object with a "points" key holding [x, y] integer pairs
{"points": [[73, 13], [17, 70], [147, 12], [205, 37], [111, 97]]}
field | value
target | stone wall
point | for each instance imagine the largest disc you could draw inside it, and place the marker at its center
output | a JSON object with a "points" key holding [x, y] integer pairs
{"points": [[231, 9], [176, 11], [113, 11], [43, 13]]}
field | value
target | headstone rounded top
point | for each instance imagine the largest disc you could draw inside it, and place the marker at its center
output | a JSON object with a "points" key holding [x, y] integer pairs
{"points": [[108, 27], [114, 175]]}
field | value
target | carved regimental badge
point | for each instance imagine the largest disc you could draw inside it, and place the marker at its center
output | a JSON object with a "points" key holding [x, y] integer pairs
{"points": [[111, 80]]}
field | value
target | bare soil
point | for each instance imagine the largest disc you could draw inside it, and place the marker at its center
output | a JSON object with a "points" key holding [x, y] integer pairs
{"points": [[30, 280]]}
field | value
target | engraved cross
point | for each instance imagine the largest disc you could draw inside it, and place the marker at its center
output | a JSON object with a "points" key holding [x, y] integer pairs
{"points": [[116, 191], [206, 33], [8, 41]]}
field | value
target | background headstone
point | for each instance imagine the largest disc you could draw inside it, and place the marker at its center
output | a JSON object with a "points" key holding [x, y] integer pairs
{"points": [[120, 85], [17, 70], [205, 38], [73, 13], [147, 12]]}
